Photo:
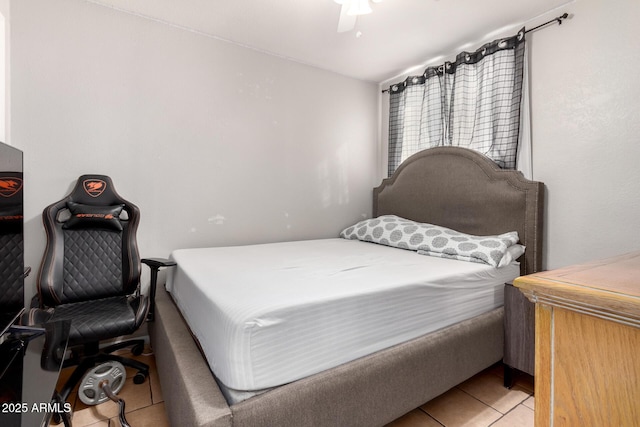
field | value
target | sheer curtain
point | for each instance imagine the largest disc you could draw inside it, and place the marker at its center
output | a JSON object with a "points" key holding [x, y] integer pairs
{"points": [[474, 102]]}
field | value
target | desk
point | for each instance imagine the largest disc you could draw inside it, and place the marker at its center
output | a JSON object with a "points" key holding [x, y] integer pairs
{"points": [[26, 388], [587, 343]]}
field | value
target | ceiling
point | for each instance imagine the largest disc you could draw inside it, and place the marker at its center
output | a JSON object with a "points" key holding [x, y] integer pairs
{"points": [[399, 34]]}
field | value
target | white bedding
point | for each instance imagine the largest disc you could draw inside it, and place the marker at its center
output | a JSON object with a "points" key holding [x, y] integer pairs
{"points": [[270, 314]]}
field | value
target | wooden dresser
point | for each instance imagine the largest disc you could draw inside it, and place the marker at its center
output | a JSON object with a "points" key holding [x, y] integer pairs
{"points": [[587, 343]]}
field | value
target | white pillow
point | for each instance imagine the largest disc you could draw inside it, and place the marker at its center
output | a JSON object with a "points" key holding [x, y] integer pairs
{"points": [[513, 253]]}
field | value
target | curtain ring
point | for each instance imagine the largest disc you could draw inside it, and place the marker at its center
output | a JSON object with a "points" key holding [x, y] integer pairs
{"points": [[394, 88], [415, 80], [484, 51], [467, 58], [502, 44]]}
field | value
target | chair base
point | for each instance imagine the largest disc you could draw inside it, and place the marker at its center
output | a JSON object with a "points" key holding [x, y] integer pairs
{"points": [[92, 358]]}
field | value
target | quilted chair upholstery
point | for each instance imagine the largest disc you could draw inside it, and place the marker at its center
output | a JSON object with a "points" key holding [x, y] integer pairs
{"points": [[90, 275]]}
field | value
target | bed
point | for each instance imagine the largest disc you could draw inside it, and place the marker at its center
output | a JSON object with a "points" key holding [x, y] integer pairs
{"points": [[451, 187]]}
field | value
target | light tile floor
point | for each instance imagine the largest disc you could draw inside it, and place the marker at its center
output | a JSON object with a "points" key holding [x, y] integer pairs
{"points": [[481, 401]]}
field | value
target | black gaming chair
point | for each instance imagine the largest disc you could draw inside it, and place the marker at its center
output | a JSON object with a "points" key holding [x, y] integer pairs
{"points": [[90, 275]]}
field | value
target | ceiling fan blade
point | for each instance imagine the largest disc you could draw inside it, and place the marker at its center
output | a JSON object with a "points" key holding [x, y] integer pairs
{"points": [[346, 22]]}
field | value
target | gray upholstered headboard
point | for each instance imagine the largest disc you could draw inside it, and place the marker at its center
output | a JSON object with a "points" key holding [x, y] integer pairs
{"points": [[461, 189]]}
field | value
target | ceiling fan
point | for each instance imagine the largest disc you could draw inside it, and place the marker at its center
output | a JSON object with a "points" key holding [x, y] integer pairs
{"points": [[350, 11]]}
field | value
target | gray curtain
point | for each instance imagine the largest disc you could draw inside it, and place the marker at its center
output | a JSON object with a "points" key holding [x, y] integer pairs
{"points": [[473, 102]]}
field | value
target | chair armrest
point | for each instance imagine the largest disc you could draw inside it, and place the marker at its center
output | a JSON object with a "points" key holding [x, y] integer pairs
{"points": [[155, 264], [158, 262]]}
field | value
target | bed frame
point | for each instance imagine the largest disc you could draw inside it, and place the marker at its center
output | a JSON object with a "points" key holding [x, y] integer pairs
{"points": [[448, 186]]}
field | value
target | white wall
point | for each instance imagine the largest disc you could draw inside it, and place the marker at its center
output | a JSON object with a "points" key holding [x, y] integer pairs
{"points": [[4, 67], [190, 128], [585, 118], [585, 99]]}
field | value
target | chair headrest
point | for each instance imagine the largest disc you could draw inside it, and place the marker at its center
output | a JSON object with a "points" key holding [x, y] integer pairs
{"points": [[10, 188], [95, 190], [10, 203]]}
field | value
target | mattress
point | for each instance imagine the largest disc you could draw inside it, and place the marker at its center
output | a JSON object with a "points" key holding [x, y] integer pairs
{"points": [[266, 315]]}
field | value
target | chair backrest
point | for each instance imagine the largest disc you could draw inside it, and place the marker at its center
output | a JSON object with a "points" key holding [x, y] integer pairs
{"points": [[91, 250], [11, 242]]}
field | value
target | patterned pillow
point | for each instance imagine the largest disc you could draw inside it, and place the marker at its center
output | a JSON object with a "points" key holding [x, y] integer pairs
{"points": [[433, 240]]}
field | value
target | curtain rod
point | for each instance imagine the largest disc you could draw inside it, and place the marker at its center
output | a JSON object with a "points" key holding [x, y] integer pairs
{"points": [[559, 19], [551, 21]]}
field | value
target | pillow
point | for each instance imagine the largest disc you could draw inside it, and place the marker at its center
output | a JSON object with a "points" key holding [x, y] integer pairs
{"points": [[11, 219], [433, 240], [513, 253], [88, 216], [389, 230]]}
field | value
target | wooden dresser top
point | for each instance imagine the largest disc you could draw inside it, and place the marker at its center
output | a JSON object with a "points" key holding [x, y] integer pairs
{"points": [[610, 285]]}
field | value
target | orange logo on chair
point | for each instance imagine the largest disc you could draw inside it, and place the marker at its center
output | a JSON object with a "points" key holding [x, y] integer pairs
{"points": [[10, 186], [94, 187]]}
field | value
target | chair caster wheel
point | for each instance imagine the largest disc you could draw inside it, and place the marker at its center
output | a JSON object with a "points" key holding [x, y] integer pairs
{"points": [[64, 418], [137, 349], [139, 378], [56, 418]]}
